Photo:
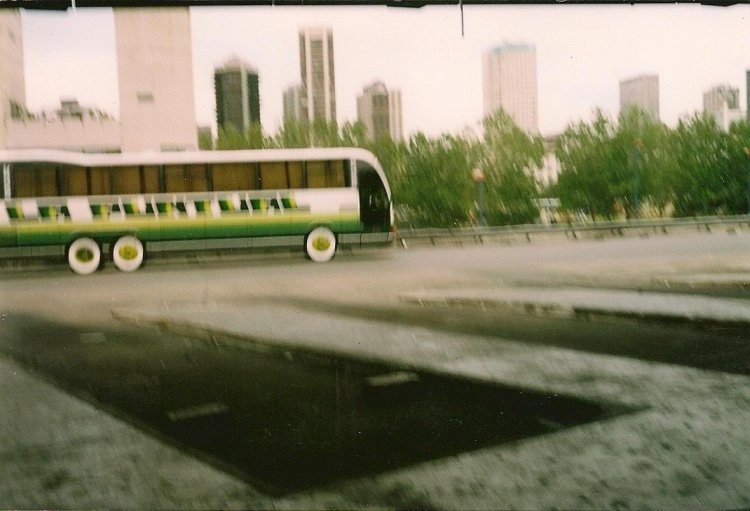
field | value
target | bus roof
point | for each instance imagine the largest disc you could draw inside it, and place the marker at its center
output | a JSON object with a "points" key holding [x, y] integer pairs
{"points": [[183, 157]]}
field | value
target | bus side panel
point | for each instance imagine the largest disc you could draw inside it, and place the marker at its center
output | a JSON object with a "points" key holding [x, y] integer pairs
{"points": [[337, 208], [7, 229], [8, 236], [32, 224], [36, 233]]}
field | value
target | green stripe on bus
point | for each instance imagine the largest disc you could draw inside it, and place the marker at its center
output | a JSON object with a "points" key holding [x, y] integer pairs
{"points": [[148, 228]]}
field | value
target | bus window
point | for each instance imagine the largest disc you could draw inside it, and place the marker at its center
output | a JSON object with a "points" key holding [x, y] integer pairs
{"points": [[34, 180], [150, 179], [233, 176], [185, 178], [196, 178], [24, 180], [273, 176], [337, 174], [176, 182], [126, 180], [74, 181], [316, 174], [374, 204], [326, 174], [99, 181], [296, 175]]}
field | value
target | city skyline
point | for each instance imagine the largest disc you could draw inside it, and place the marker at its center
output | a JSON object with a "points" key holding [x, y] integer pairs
{"points": [[317, 73], [509, 83], [575, 75], [236, 86], [379, 110], [642, 92]]}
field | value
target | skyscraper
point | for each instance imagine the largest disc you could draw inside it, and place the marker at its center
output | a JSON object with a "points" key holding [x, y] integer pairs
{"points": [[237, 95], [723, 102], [155, 74], [642, 92], [380, 111], [395, 117], [510, 84], [295, 103], [317, 71], [12, 85]]}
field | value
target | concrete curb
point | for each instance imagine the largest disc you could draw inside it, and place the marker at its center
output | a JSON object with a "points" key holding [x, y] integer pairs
{"points": [[589, 303]]}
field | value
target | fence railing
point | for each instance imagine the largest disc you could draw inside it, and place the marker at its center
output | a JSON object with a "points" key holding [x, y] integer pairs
{"points": [[590, 230]]}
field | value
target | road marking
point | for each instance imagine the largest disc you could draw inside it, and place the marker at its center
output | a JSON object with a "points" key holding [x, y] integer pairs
{"points": [[395, 378], [193, 412], [93, 337]]}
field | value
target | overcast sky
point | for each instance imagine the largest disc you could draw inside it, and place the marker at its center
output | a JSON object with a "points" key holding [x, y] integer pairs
{"points": [[582, 54]]}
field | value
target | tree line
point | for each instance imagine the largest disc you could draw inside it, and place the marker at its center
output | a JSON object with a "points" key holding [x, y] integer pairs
{"points": [[631, 167]]}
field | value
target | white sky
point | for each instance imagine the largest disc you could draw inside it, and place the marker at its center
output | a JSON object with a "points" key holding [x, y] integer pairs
{"points": [[582, 54]]}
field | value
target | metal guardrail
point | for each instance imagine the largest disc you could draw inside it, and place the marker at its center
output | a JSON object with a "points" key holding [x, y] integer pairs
{"points": [[592, 230]]}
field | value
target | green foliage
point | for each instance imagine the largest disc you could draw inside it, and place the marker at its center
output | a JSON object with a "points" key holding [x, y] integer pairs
{"points": [[205, 141], [608, 167], [586, 162], [738, 169], [507, 158], [700, 180], [231, 139], [433, 183]]}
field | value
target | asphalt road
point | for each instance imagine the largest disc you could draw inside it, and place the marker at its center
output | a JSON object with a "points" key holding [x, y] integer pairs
{"points": [[256, 415], [369, 283], [283, 422]]}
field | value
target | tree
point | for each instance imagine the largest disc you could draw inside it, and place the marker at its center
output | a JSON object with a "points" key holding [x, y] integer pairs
{"points": [[353, 135], [606, 167], [205, 140], [230, 138], [738, 187], [642, 142], [507, 158], [434, 186], [291, 134], [702, 173]]}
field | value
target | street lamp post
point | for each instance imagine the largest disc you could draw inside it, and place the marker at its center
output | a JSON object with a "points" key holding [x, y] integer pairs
{"points": [[478, 176]]}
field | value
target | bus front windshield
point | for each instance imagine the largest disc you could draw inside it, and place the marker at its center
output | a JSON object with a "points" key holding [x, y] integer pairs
{"points": [[373, 199]]}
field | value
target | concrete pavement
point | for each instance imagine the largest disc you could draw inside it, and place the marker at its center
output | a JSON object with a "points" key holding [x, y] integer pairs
{"points": [[586, 302], [640, 460]]}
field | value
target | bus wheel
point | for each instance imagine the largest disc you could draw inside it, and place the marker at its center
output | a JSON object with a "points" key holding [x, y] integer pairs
{"points": [[84, 256], [127, 254], [320, 245]]}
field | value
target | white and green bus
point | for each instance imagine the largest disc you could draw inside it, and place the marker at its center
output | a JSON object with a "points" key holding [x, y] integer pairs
{"points": [[91, 207]]}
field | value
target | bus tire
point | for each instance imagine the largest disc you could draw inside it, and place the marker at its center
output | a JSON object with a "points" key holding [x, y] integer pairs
{"points": [[127, 253], [320, 245], [84, 256]]}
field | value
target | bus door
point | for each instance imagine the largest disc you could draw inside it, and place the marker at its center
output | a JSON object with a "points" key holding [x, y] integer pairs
{"points": [[374, 205]]}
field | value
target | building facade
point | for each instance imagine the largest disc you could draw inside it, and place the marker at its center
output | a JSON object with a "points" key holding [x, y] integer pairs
{"points": [[236, 86], [379, 110], [395, 115], [72, 127], [641, 92], [155, 75], [295, 104], [317, 72], [510, 84], [12, 84], [723, 103]]}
